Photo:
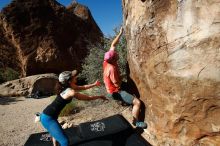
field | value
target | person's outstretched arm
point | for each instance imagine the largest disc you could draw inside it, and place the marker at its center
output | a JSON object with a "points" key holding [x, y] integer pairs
{"points": [[116, 40], [86, 97], [84, 87], [115, 77], [73, 94]]}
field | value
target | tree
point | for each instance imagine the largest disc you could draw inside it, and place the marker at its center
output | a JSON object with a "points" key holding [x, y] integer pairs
{"points": [[92, 67]]}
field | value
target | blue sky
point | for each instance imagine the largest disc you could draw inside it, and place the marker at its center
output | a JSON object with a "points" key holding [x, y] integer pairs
{"points": [[107, 13]]}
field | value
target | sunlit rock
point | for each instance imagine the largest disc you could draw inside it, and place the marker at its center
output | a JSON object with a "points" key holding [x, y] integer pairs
{"points": [[174, 59], [43, 36]]}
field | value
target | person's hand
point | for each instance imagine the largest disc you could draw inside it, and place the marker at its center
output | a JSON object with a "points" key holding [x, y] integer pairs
{"points": [[97, 83], [121, 30]]}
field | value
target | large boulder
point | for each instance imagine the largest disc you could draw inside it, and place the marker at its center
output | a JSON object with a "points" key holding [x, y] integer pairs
{"points": [[43, 36], [174, 59], [39, 85]]}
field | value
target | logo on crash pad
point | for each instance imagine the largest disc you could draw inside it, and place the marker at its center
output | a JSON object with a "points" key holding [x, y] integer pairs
{"points": [[97, 127]]}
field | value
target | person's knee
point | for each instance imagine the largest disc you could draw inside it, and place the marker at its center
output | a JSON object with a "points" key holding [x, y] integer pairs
{"points": [[137, 102]]}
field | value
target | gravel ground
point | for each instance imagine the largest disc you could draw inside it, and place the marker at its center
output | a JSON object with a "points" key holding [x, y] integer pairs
{"points": [[17, 119], [17, 116]]}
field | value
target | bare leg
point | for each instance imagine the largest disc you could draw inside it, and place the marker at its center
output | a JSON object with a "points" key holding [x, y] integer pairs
{"points": [[136, 109], [135, 114], [54, 141]]}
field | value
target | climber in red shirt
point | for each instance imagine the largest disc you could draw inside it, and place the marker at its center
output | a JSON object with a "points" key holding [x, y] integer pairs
{"points": [[112, 80]]}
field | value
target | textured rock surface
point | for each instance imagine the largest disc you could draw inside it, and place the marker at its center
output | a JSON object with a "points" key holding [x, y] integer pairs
{"points": [[174, 59], [43, 83], [42, 36], [7, 53]]}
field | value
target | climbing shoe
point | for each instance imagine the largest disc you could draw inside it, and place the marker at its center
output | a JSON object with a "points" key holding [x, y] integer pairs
{"points": [[141, 125]]}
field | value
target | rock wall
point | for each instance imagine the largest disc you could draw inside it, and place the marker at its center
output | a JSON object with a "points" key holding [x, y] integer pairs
{"points": [[43, 36], [6, 50], [174, 59]]}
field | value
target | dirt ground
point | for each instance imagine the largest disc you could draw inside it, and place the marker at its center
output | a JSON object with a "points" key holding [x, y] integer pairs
{"points": [[17, 117]]}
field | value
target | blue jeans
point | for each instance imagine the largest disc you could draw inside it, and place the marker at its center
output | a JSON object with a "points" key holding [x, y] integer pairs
{"points": [[54, 129]]}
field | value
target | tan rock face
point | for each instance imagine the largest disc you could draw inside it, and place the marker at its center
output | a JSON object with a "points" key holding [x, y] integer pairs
{"points": [[44, 36], [174, 59]]}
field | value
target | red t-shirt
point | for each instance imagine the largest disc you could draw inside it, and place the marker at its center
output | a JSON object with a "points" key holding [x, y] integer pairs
{"points": [[111, 76]]}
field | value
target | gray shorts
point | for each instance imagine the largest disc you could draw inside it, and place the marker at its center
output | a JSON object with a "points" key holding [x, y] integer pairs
{"points": [[122, 95]]}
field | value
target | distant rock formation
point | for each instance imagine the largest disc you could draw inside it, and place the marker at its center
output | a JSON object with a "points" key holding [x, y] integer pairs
{"points": [[7, 53], [174, 59], [42, 36]]}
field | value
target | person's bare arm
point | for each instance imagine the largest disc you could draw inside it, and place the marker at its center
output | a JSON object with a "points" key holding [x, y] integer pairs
{"points": [[114, 76], [84, 87], [116, 40], [117, 84], [73, 94], [86, 97]]}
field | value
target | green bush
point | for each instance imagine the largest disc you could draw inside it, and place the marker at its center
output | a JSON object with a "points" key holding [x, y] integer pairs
{"points": [[68, 109], [8, 74], [92, 67]]}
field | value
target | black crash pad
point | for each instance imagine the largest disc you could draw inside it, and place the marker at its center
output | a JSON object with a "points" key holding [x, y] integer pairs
{"points": [[110, 131]]}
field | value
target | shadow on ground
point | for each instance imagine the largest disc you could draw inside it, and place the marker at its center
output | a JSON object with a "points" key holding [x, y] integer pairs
{"points": [[9, 100]]}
